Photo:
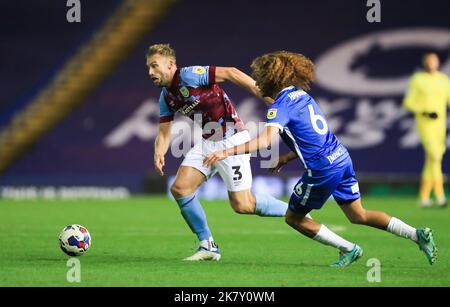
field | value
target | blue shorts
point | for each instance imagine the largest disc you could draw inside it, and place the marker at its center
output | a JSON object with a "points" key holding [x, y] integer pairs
{"points": [[314, 188]]}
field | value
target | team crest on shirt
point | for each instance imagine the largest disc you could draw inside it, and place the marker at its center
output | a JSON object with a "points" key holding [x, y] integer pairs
{"points": [[272, 113], [184, 91], [199, 70]]}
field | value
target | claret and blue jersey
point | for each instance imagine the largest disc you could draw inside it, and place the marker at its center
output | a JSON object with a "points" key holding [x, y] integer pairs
{"points": [[194, 91], [304, 129]]}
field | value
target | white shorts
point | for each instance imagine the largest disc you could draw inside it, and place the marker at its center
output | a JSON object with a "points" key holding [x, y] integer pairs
{"points": [[234, 170]]}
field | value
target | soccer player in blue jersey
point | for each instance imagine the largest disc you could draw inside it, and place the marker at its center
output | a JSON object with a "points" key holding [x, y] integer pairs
{"points": [[285, 76]]}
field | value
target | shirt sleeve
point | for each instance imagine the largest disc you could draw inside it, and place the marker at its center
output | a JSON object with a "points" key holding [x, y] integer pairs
{"points": [[197, 76], [165, 113], [277, 116], [411, 102]]}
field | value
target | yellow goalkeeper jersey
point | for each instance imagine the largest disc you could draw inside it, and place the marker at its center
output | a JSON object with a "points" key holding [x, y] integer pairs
{"points": [[428, 93]]}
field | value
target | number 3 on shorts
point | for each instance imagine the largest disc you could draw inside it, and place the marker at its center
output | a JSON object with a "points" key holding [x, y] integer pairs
{"points": [[237, 172]]}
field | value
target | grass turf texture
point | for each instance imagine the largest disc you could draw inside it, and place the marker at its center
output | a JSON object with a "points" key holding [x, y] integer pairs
{"points": [[141, 241]]}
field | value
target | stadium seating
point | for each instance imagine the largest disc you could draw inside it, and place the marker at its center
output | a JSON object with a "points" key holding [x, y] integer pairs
{"points": [[91, 65]]}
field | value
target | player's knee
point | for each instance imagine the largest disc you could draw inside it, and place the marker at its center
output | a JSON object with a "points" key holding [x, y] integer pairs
{"points": [[178, 191], [300, 224], [293, 221], [434, 157], [289, 220]]}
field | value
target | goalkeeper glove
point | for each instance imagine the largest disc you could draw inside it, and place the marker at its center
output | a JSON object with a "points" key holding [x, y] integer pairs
{"points": [[430, 115]]}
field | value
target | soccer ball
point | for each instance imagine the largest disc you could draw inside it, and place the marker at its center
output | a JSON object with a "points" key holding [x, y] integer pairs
{"points": [[74, 240]]}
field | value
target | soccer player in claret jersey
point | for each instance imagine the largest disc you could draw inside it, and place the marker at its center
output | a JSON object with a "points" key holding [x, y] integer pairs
{"points": [[285, 76], [193, 91]]}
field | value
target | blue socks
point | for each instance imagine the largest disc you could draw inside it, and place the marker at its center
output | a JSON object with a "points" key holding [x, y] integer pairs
{"points": [[267, 205], [193, 214]]}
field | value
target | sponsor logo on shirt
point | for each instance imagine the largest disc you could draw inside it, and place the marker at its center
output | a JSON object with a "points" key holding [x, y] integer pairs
{"points": [[187, 109], [272, 113], [335, 155]]}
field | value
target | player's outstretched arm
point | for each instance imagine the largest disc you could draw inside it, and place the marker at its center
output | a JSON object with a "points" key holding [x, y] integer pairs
{"points": [[240, 79], [162, 143], [282, 161], [262, 141]]}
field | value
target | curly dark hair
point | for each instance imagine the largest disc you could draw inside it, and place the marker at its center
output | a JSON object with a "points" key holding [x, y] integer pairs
{"points": [[277, 70]]}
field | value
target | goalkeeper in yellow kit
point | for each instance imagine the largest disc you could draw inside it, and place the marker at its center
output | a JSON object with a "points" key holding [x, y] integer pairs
{"points": [[428, 96]]}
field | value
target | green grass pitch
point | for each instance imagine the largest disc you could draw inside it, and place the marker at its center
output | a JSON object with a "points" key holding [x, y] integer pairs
{"points": [[141, 241]]}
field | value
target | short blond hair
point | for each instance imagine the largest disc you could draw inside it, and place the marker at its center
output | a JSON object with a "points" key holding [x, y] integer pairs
{"points": [[162, 49]]}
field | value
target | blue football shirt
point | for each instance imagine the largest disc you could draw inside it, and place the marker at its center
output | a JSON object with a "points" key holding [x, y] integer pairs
{"points": [[304, 129]]}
